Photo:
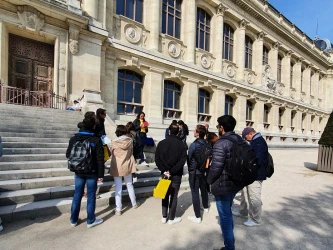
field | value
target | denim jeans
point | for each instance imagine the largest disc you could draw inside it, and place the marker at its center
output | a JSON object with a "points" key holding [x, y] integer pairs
{"points": [[223, 205], [143, 137], [198, 181], [80, 181]]}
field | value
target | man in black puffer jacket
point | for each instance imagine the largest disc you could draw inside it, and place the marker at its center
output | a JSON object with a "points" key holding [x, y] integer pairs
{"points": [[222, 187]]}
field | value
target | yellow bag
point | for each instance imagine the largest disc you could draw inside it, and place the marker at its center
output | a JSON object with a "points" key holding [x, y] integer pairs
{"points": [[107, 153], [161, 188]]}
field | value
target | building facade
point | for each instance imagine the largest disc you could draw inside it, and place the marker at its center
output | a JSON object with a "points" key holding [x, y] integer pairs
{"points": [[193, 60]]}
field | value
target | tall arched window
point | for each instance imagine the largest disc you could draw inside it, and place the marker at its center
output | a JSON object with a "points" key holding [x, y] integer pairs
{"points": [[172, 92], [203, 105], [229, 105], [266, 113], [311, 81], [249, 110], [281, 112], [228, 42], [291, 74], [248, 52], [279, 68], [129, 92], [171, 17], [203, 29], [302, 74], [265, 55], [130, 8]]}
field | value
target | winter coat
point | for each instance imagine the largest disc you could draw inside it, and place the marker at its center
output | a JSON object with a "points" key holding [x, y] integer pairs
{"points": [[137, 126], [217, 176], [100, 127], [259, 145], [170, 155], [193, 153], [97, 151], [122, 160]]}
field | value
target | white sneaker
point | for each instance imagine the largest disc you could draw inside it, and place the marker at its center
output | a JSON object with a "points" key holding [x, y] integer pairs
{"points": [[251, 223], [72, 224], [194, 219], [145, 163], [238, 214], [1, 228], [135, 179], [174, 221], [206, 210], [164, 220], [95, 223]]}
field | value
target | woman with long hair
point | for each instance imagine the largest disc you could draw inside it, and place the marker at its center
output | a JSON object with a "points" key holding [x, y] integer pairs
{"points": [[141, 128], [183, 132], [123, 165]]}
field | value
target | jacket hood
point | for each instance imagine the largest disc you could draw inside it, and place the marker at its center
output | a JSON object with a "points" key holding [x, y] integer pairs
{"points": [[124, 142], [84, 134], [257, 135]]}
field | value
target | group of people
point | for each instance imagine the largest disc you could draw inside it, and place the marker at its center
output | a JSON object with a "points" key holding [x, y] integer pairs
{"points": [[171, 155]]}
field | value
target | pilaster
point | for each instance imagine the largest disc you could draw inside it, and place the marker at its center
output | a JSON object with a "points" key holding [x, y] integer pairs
{"points": [[259, 115], [257, 57], [273, 58], [285, 76], [190, 101], [91, 8], [287, 120], [297, 78], [240, 111], [218, 37], [306, 83], [154, 23], [190, 30], [275, 117], [240, 48]]}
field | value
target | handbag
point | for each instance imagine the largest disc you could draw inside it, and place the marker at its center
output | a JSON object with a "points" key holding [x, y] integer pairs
{"points": [[107, 153], [161, 188]]}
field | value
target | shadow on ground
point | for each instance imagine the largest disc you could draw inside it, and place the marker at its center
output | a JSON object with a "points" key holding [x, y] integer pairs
{"points": [[311, 166]]}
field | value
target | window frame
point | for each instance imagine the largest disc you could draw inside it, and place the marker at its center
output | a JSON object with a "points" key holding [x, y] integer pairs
{"points": [[229, 102], [165, 11], [206, 34], [249, 110], [279, 68], [248, 52], [265, 55], [266, 113], [174, 111], [228, 42], [291, 74], [125, 3]]}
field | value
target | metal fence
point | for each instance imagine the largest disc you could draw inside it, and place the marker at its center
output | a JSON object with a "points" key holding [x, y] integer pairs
{"points": [[44, 99], [325, 158]]}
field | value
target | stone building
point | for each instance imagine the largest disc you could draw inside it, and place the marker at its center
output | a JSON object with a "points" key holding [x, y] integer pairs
{"points": [[193, 60]]}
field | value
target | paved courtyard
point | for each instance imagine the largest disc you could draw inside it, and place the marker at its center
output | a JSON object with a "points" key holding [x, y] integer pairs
{"points": [[297, 214]]}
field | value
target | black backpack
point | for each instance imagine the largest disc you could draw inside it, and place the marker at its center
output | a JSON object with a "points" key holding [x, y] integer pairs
{"points": [[80, 158], [270, 166], [204, 152], [242, 168]]}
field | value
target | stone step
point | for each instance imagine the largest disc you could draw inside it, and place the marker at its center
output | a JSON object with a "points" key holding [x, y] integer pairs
{"points": [[34, 140], [21, 145], [145, 178], [70, 129], [25, 165], [17, 108], [31, 157], [33, 210], [16, 151], [45, 126], [55, 134], [37, 123]]}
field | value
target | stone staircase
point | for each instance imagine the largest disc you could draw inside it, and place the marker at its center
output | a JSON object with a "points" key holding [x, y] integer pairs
{"points": [[34, 179]]}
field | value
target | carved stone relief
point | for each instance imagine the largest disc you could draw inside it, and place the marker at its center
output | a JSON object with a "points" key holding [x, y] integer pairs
{"points": [[174, 49], [221, 9], [249, 76], [205, 61], [30, 18], [74, 39], [302, 96], [280, 88], [132, 33], [231, 72], [268, 81]]}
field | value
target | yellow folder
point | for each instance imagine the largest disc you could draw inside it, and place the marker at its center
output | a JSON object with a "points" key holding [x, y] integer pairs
{"points": [[161, 188]]}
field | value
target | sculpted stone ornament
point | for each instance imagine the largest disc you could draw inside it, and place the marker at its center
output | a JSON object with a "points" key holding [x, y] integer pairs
{"points": [[302, 96], [173, 49], [268, 81], [243, 23], [281, 88], [250, 78], [73, 46], [261, 35], [230, 71], [30, 18], [131, 33], [220, 10], [74, 39], [205, 61]]}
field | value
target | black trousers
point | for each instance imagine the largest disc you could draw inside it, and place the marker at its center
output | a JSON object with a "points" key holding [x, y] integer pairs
{"points": [[169, 203], [198, 181]]}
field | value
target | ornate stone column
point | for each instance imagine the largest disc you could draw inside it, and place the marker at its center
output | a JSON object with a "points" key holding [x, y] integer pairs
{"points": [[315, 88], [240, 49], [275, 117], [259, 116], [240, 111], [218, 37], [154, 23], [190, 30], [257, 57], [91, 8], [306, 83], [189, 102], [328, 90], [218, 105]]}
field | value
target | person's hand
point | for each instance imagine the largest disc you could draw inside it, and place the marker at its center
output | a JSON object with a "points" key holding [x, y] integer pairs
{"points": [[100, 180], [142, 125]]}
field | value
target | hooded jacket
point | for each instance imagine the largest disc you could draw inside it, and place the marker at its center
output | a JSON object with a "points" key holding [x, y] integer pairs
{"points": [[259, 145], [97, 151], [122, 160]]}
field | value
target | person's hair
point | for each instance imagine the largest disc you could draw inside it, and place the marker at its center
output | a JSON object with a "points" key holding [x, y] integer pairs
{"points": [[174, 122], [140, 113], [174, 129], [129, 127], [211, 136], [185, 128], [201, 130], [121, 130], [75, 101], [100, 111], [228, 122], [89, 120]]}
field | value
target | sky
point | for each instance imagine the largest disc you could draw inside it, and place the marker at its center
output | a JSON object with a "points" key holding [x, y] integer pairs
{"points": [[303, 13]]}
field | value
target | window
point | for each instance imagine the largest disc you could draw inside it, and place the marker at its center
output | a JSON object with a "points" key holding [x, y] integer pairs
{"points": [[229, 105], [130, 8], [293, 115], [248, 52], [171, 17], [279, 68], [291, 74], [302, 73], [171, 99], [266, 113], [265, 56], [249, 109], [228, 42], [129, 92], [311, 80], [203, 107], [281, 111], [303, 121], [203, 29]]}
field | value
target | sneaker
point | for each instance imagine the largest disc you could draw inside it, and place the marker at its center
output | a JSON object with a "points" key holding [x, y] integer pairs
{"points": [[74, 224], [194, 219], [135, 179], [206, 210], [117, 213], [164, 220], [251, 223], [238, 214], [174, 221], [136, 205], [95, 223], [144, 163], [1, 228]]}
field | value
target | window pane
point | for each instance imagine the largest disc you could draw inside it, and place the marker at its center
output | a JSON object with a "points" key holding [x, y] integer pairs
{"points": [[226, 109], [170, 99], [231, 53], [171, 2], [202, 40], [201, 105], [206, 106], [165, 99], [120, 7], [170, 24], [120, 90], [177, 31], [137, 93], [129, 92], [163, 22], [129, 109], [130, 9], [120, 74], [177, 100], [120, 108], [178, 4], [139, 10], [207, 42]]}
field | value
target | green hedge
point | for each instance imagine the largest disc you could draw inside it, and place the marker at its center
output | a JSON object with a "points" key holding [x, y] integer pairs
{"points": [[327, 136]]}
